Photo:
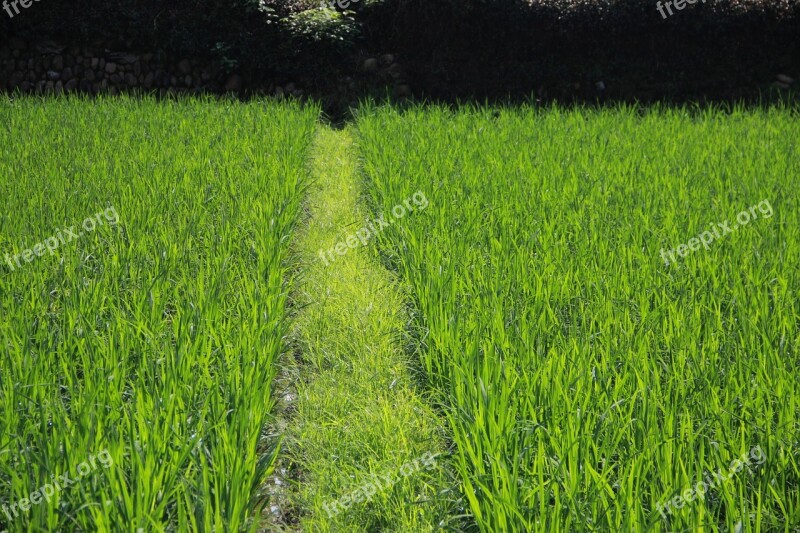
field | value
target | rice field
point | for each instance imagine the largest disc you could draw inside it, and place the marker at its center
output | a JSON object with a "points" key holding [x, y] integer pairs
{"points": [[591, 323], [145, 347], [585, 381]]}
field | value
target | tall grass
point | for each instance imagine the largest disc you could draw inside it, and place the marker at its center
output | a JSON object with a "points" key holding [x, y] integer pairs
{"points": [[156, 338], [584, 380]]}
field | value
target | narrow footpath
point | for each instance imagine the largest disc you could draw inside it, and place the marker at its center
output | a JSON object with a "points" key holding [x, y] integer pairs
{"points": [[365, 446]]}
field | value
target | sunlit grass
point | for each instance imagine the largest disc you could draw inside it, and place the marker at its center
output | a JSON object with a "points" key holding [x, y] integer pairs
{"points": [[358, 416], [584, 380], [154, 338]]}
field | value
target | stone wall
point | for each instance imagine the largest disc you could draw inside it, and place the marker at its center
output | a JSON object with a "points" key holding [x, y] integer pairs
{"points": [[46, 67]]}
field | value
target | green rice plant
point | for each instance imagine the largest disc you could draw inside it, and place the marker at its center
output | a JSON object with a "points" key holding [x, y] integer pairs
{"points": [[585, 381], [153, 339]]}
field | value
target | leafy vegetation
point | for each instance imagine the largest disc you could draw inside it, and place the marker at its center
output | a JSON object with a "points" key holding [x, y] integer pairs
{"points": [[584, 381], [573, 379], [154, 339], [357, 417]]}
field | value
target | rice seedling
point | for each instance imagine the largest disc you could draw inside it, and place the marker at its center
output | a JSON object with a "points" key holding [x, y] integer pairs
{"points": [[585, 381], [594, 372], [152, 341]]}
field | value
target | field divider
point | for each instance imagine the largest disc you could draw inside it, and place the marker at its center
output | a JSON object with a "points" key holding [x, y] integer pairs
{"points": [[362, 446]]}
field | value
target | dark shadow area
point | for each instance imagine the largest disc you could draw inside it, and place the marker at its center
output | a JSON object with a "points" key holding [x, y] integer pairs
{"points": [[503, 51], [581, 51]]}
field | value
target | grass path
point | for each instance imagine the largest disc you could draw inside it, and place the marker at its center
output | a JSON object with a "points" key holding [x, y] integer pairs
{"points": [[364, 442]]}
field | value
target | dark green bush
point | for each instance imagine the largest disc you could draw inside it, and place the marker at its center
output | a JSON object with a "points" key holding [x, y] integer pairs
{"points": [[321, 29], [260, 38]]}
